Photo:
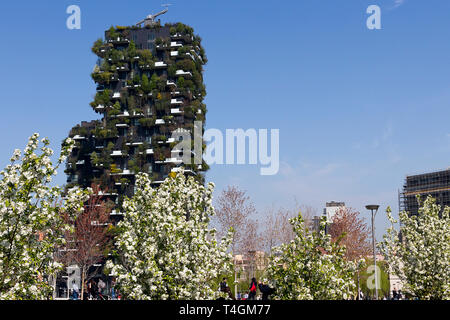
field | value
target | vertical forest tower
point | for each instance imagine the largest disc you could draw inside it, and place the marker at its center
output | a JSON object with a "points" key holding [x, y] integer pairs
{"points": [[149, 85]]}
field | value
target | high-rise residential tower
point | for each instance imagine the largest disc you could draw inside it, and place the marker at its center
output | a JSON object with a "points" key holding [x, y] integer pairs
{"points": [[149, 85]]}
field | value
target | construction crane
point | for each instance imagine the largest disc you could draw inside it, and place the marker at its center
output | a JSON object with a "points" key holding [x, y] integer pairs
{"points": [[150, 19]]}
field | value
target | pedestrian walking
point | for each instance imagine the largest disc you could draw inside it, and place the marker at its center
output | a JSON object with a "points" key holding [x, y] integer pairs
{"points": [[394, 294], [113, 290], [265, 290], [223, 287], [360, 295], [252, 289], [74, 290], [94, 289]]}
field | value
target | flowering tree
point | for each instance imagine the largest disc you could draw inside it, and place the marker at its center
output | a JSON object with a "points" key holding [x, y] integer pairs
{"points": [[311, 266], [421, 258], [31, 225], [165, 249]]}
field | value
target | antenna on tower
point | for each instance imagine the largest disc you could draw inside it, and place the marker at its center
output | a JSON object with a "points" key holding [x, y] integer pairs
{"points": [[150, 19]]}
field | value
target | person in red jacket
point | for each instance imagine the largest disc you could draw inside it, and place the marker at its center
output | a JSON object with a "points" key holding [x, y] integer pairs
{"points": [[252, 289]]}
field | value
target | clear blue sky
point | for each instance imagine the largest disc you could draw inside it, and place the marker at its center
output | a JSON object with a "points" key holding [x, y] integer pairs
{"points": [[357, 109]]}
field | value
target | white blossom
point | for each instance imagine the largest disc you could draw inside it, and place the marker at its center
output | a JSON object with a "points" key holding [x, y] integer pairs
{"points": [[310, 267], [165, 249], [421, 258], [31, 225]]}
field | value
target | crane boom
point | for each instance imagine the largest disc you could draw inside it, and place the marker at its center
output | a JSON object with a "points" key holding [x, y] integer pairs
{"points": [[150, 19], [160, 13]]}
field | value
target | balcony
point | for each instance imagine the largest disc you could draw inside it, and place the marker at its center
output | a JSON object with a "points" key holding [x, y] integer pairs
{"points": [[160, 64], [175, 44], [181, 73], [127, 172], [78, 137], [149, 151], [117, 153], [178, 169], [161, 46], [122, 125], [176, 101], [123, 115], [177, 36], [198, 56], [169, 140], [134, 143], [160, 121], [174, 53], [101, 193], [137, 114], [124, 172], [123, 68], [173, 160], [116, 95], [81, 162], [176, 111], [190, 55], [171, 83], [100, 107], [119, 40]]}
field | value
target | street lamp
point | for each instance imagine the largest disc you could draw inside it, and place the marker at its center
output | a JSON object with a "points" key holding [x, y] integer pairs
{"points": [[374, 208]]}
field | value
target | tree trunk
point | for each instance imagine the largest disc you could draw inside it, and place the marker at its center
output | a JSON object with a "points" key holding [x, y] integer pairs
{"points": [[357, 296], [83, 277]]}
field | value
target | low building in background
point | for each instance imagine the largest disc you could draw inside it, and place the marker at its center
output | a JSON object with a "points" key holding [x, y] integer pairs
{"points": [[331, 208], [250, 264], [328, 212]]}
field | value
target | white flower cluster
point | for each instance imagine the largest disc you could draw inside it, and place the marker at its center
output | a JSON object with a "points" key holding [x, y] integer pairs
{"points": [[310, 267], [165, 249], [421, 258], [31, 225]]}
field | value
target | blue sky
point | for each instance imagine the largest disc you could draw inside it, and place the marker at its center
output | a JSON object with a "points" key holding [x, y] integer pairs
{"points": [[357, 109]]}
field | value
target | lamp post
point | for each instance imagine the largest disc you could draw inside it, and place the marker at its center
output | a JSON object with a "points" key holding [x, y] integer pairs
{"points": [[374, 208]]}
